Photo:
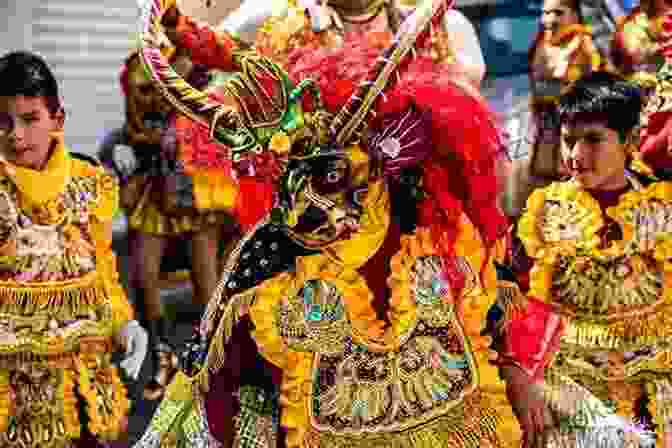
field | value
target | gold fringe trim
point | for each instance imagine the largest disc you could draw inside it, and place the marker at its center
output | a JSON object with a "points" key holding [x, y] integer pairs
{"points": [[59, 300], [237, 307], [474, 424], [633, 332], [147, 217]]}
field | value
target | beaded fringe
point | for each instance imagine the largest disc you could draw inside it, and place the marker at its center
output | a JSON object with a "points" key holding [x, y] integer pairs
{"points": [[59, 300], [472, 425], [633, 331], [216, 357]]}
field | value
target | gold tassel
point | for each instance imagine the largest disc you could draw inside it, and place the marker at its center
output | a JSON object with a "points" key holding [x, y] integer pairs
{"points": [[469, 425], [216, 358], [58, 300]]}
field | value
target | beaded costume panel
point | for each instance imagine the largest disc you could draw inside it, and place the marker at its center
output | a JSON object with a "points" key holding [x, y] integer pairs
{"points": [[614, 297], [59, 307]]}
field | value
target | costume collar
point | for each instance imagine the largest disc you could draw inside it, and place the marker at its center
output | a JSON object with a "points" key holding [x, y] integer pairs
{"points": [[40, 186]]}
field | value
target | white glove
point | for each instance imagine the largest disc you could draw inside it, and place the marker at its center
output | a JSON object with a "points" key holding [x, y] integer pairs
{"points": [[135, 339], [124, 160]]}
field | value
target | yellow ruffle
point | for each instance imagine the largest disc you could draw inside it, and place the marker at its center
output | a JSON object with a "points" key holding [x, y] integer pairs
{"points": [[263, 315], [106, 259], [295, 393], [214, 191], [5, 400], [473, 314], [40, 186], [530, 224], [622, 214], [147, 216]]}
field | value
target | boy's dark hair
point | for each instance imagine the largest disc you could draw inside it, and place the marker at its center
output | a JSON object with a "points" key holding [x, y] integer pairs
{"points": [[575, 5], [27, 74], [602, 97]]}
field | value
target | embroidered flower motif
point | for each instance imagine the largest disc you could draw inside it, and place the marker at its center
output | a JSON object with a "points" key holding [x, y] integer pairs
{"points": [[37, 241], [390, 147], [280, 143], [51, 212]]}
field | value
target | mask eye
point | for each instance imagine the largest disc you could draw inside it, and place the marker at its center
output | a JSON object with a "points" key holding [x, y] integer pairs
{"points": [[334, 176]]}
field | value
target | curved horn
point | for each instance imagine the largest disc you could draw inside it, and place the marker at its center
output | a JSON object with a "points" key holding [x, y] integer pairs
{"points": [[190, 101], [352, 115]]}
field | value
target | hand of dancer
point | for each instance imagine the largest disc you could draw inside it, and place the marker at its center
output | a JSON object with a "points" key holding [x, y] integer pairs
{"points": [[529, 405]]}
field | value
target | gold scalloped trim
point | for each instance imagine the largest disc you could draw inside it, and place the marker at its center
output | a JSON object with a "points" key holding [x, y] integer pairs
{"points": [[545, 253], [622, 214], [531, 223]]}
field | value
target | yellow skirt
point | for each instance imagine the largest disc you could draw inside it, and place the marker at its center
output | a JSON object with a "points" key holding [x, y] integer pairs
{"points": [[146, 214]]}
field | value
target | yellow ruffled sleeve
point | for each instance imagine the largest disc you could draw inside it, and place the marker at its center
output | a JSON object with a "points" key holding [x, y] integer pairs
{"points": [[101, 230]]}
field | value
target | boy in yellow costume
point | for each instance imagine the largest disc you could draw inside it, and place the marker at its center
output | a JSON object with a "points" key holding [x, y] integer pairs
{"points": [[585, 351], [62, 310]]}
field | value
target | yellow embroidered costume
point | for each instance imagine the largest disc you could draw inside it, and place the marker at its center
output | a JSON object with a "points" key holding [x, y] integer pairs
{"points": [[351, 316], [613, 297], [60, 305]]}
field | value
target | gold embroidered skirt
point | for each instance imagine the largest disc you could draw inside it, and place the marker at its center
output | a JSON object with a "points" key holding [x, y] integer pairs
{"points": [[55, 360]]}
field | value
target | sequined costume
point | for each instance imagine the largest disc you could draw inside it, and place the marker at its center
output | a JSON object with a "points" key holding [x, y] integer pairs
{"points": [[351, 314], [60, 305], [608, 300], [554, 62], [634, 45]]}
